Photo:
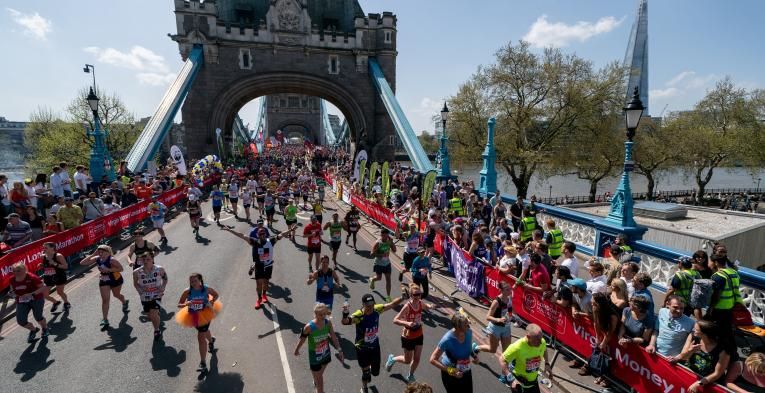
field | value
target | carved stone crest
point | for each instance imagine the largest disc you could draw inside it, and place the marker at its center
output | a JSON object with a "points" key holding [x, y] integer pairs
{"points": [[289, 16]]}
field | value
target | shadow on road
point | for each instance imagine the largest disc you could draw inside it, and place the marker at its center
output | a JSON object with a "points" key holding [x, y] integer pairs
{"points": [[278, 292], [33, 361], [119, 338], [62, 327], [350, 275], [166, 358], [166, 249], [286, 322], [214, 382]]}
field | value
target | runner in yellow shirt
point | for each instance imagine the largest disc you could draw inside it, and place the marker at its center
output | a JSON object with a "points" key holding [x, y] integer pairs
{"points": [[526, 356]]}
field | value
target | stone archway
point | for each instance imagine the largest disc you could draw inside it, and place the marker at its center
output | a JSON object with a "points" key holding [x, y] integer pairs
{"points": [[232, 98], [297, 127]]}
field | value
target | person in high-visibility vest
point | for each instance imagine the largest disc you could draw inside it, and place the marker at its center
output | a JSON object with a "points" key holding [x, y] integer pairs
{"points": [[725, 293], [528, 225], [682, 283], [456, 206], [554, 239], [621, 241]]}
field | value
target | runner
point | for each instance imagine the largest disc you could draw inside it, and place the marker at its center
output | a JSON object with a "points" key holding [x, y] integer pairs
{"points": [[352, 224], [150, 281], [381, 251], [320, 191], [217, 203], [412, 237], [290, 217], [326, 279], [305, 191], [319, 331], [282, 197], [367, 321], [269, 204], [410, 317], [224, 190], [110, 281], [452, 356], [312, 231], [246, 202], [157, 212], [54, 274], [30, 296], [260, 194], [233, 197], [335, 235], [317, 210], [421, 270], [499, 317], [263, 262], [526, 356], [140, 246], [195, 213], [198, 306]]}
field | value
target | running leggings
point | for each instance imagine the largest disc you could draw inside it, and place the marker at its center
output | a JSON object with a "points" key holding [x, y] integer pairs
{"points": [[457, 385]]}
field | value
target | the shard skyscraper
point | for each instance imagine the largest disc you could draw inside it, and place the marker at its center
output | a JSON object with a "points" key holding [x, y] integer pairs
{"points": [[636, 58]]}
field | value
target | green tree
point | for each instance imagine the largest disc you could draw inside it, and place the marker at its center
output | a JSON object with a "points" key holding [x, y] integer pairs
{"points": [[655, 149], [715, 131], [52, 138], [429, 142], [538, 99]]}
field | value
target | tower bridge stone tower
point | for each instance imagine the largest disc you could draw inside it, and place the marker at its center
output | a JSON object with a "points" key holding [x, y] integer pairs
{"points": [[317, 48]]}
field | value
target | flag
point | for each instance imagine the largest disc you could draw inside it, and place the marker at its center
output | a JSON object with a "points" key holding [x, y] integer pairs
{"points": [[372, 177], [427, 185], [385, 179], [362, 172]]}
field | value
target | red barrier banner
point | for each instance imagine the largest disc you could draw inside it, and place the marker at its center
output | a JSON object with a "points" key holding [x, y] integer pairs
{"points": [[631, 364], [438, 243], [374, 211], [73, 240]]}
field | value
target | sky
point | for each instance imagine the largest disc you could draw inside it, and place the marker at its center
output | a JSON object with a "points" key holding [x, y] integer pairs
{"points": [[692, 44]]}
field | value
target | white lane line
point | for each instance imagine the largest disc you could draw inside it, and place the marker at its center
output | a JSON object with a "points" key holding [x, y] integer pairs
{"points": [[282, 353]]}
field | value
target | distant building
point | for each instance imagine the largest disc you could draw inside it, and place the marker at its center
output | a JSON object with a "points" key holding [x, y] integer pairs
{"points": [[12, 148]]}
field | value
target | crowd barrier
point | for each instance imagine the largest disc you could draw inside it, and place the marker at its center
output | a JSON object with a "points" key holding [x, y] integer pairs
{"points": [[636, 368], [74, 240]]}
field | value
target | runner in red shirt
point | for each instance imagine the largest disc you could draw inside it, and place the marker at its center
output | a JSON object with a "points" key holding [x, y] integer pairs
{"points": [[540, 279], [30, 296], [313, 231]]}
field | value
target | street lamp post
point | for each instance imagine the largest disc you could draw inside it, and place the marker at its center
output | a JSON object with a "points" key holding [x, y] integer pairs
{"points": [[101, 163], [622, 203], [488, 184], [758, 184], [444, 172]]}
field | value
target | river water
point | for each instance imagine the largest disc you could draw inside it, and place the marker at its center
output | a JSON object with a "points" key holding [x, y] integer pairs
{"points": [[668, 180]]}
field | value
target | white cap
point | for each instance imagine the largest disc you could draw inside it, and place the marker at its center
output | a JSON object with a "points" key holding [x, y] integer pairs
{"points": [[515, 235], [192, 197]]}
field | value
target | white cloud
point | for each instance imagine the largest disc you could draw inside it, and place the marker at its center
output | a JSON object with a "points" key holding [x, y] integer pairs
{"points": [[422, 115], [153, 79], [543, 33], [690, 80], [665, 93], [33, 24], [152, 67]]}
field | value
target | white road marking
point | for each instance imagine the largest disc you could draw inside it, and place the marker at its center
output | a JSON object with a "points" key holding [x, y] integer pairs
{"points": [[282, 353]]}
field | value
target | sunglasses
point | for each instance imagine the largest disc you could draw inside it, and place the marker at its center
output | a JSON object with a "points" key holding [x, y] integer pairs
{"points": [[416, 294]]}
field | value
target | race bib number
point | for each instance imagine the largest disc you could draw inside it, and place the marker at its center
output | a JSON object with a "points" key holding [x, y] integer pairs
{"points": [[150, 293], [463, 365], [105, 277], [532, 364], [413, 244], [196, 305], [26, 298], [315, 240], [325, 288], [49, 271], [265, 257], [370, 336]]}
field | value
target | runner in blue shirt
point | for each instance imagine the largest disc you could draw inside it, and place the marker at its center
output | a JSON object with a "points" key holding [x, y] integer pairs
{"points": [[217, 203]]}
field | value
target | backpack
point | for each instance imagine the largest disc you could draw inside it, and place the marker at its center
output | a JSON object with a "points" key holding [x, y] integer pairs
{"points": [[701, 293]]}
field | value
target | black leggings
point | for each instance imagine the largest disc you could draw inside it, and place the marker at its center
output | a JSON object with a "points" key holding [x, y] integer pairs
{"points": [[457, 385], [423, 282]]}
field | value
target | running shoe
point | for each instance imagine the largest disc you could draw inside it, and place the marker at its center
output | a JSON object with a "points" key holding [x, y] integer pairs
{"points": [[264, 298], [202, 367], [371, 283], [410, 378], [104, 322], [55, 306], [389, 364], [475, 350], [31, 337], [125, 306], [258, 303]]}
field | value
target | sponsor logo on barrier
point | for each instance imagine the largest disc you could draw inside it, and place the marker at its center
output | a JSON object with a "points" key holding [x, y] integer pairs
{"points": [[623, 358], [70, 241], [585, 335]]}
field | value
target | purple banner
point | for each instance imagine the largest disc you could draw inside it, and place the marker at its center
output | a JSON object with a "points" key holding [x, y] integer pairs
{"points": [[468, 273]]}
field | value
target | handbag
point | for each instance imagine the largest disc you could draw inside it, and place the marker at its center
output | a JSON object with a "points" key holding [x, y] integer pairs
{"points": [[598, 362]]}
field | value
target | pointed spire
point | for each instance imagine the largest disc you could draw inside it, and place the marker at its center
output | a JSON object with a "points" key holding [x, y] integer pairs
{"points": [[636, 58]]}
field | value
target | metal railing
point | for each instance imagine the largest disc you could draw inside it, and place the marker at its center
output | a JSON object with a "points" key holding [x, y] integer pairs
{"points": [[571, 200]]}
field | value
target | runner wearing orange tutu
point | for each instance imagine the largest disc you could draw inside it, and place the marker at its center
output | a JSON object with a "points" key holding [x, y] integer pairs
{"points": [[198, 306]]}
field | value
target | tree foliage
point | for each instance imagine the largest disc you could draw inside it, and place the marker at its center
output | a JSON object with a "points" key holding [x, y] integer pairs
{"points": [[656, 149], [717, 132], [52, 138], [540, 101], [429, 142]]}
